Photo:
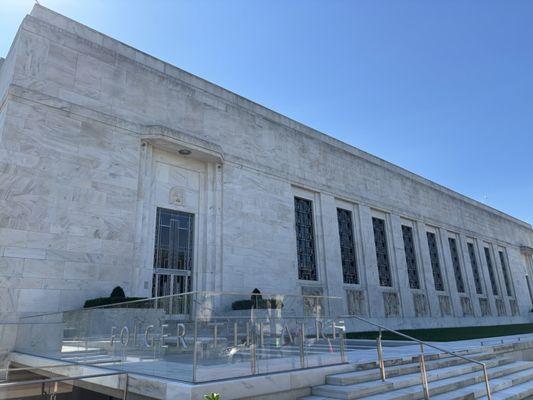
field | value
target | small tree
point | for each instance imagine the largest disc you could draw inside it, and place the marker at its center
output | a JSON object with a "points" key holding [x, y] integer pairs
{"points": [[118, 292], [212, 396]]}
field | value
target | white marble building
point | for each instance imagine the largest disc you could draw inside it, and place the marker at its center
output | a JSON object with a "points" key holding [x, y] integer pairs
{"points": [[101, 145]]}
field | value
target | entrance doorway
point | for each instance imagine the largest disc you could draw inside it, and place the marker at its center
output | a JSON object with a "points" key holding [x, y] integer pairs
{"points": [[173, 259]]}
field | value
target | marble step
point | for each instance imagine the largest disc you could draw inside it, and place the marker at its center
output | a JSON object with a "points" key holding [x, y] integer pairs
{"points": [[413, 359], [518, 385], [515, 392], [445, 387], [350, 378], [360, 390]]}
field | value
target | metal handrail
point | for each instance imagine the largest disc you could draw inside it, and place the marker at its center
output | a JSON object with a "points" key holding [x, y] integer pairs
{"points": [[59, 379], [66, 364], [422, 361], [69, 378]]}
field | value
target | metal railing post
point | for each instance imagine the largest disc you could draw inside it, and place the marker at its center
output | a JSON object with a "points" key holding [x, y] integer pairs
{"points": [[195, 351], [381, 363], [126, 383], [302, 350], [342, 348], [253, 359], [423, 373], [487, 386], [253, 351], [423, 370]]}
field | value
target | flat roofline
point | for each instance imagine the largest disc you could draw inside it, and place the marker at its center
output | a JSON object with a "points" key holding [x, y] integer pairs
{"points": [[49, 16]]}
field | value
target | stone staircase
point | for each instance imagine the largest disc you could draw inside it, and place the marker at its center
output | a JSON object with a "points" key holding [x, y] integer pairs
{"points": [[448, 377]]}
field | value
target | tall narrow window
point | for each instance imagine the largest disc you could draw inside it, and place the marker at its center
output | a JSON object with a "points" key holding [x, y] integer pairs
{"points": [[173, 254], [348, 259], [492, 277], [456, 265], [305, 239], [475, 268], [410, 257], [435, 263], [382, 252], [528, 282], [173, 240], [505, 271]]}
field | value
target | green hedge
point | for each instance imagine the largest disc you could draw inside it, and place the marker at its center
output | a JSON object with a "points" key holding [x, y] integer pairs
{"points": [[450, 334], [103, 301], [260, 304]]}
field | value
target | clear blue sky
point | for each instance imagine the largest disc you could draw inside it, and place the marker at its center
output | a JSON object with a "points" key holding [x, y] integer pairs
{"points": [[442, 88]]}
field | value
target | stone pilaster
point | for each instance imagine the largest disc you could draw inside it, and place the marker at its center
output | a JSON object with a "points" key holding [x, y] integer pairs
{"points": [[143, 272]]}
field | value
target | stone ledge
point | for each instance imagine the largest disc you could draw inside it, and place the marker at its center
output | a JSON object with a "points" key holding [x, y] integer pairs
{"points": [[173, 140]]}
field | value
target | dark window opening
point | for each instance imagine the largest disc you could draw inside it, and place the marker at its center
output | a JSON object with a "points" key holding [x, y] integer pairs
{"points": [[382, 252], [435, 263], [347, 243], [410, 257], [490, 267], [305, 239], [475, 268], [456, 265], [505, 270]]}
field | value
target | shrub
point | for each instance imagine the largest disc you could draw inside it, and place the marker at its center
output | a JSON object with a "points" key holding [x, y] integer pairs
{"points": [[102, 301], [259, 304], [212, 396], [118, 292]]}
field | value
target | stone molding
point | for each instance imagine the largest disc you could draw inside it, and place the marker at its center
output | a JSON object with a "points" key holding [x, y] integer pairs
{"points": [[172, 140], [526, 250]]}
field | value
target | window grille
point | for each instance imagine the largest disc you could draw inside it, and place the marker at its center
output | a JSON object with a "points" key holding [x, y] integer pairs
{"points": [[435, 263], [475, 268], [490, 267], [348, 256], [382, 252], [305, 239], [410, 257], [456, 265], [505, 271]]}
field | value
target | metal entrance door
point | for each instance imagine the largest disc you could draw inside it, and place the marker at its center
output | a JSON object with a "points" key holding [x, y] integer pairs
{"points": [[173, 259]]}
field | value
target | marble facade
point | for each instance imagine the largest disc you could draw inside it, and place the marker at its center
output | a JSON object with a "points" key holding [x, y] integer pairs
{"points": [[90, 138]]}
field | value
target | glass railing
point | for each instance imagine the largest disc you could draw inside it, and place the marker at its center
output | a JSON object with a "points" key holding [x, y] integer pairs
{"points": [[193, 337]]}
